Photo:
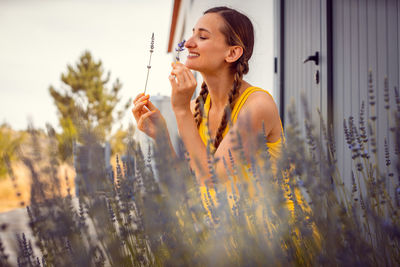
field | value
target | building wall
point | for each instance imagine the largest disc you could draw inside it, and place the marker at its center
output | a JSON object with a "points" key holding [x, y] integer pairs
{"points": [[365, 38], [354, 37], [261, 14]]}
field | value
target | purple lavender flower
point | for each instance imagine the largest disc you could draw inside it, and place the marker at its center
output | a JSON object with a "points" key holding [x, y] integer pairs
{"points": [[180, 48]]}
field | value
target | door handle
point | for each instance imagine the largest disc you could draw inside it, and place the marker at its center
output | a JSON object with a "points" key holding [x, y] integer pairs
{"points": [[314, 58]]}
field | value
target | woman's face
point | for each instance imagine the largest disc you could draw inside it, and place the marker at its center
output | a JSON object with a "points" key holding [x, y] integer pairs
{"points": [[207, 46]]}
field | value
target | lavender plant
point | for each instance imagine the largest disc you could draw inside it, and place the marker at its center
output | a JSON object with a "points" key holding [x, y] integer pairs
{"points": [[180, 47], [149, 65], [296, 211]]}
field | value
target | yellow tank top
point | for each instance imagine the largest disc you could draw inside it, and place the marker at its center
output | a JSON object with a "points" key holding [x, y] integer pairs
{"points": [[273, 148], [208, 194]]}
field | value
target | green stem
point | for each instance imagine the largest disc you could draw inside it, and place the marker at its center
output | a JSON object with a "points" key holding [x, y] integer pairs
{"points": [[148, 71]]}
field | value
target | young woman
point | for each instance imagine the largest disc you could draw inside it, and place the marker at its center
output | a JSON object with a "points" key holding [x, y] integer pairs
{"points": [[219, 49]]}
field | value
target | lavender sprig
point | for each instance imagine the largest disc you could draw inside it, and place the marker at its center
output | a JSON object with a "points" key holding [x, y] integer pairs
{"points": [[180, 48], [149, 65]]}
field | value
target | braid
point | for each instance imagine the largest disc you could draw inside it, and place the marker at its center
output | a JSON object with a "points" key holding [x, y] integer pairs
{"points": [[199, 107], [242, 67]]}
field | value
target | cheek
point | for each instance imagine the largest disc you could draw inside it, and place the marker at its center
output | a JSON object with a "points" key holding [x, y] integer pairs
{"points": [[217, 56], [220, 51]]}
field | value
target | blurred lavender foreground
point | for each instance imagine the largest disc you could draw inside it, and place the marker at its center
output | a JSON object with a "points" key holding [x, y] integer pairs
{"points": [[303, 215]]}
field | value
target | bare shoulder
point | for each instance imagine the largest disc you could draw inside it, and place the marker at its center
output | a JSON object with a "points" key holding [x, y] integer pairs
{"points": [[261, 108], [260, 103]]}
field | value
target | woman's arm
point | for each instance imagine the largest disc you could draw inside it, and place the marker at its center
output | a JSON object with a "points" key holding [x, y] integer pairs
{"points": [[183, 86], [194, 145]]}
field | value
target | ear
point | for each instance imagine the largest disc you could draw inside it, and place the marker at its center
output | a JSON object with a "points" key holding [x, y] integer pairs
{"points": [[235, 52]]}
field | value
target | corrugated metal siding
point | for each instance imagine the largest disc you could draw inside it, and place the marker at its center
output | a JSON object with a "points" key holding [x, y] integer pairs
{"points": [[302, 35], [365, 37]]}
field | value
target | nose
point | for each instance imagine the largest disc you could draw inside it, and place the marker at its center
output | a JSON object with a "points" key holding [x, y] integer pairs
{"points": [[190, 43]]}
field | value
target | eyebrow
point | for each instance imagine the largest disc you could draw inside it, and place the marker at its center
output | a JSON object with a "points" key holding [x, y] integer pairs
{"points": [[202, 29]]}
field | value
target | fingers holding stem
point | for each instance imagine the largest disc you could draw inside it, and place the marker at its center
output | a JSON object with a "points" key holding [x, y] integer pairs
{"points": [[143, 111], [142, 122], [140, 107], [140, 97]]}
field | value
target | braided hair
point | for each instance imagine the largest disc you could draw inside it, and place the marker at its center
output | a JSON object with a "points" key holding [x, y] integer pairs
{"points": [[238, 30]]}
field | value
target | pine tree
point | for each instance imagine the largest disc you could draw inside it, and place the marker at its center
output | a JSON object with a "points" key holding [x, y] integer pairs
{"points": [[86, 101]]}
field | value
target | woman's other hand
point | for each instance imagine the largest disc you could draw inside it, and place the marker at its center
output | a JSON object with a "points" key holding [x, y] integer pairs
{"points": [[183, 85], [148, 118]]}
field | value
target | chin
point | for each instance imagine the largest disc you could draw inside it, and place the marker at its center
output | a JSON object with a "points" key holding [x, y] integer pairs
{"points": [[190, 65]]}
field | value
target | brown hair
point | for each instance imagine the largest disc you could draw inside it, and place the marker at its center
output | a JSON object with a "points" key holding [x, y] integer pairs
{"points": [[238, 30]]}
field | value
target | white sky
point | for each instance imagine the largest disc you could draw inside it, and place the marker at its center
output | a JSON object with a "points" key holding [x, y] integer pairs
{"points": [[38, 38]]}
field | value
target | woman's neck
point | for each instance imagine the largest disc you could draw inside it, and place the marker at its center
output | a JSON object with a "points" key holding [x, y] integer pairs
{"points": [[219, 86]]}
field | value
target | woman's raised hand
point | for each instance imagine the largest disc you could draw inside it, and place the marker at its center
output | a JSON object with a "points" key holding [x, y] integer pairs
{"points": [[183, 84], [148, 117]]}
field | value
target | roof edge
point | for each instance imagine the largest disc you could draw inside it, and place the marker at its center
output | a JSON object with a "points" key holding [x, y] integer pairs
{"points": [[175, 13]]}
